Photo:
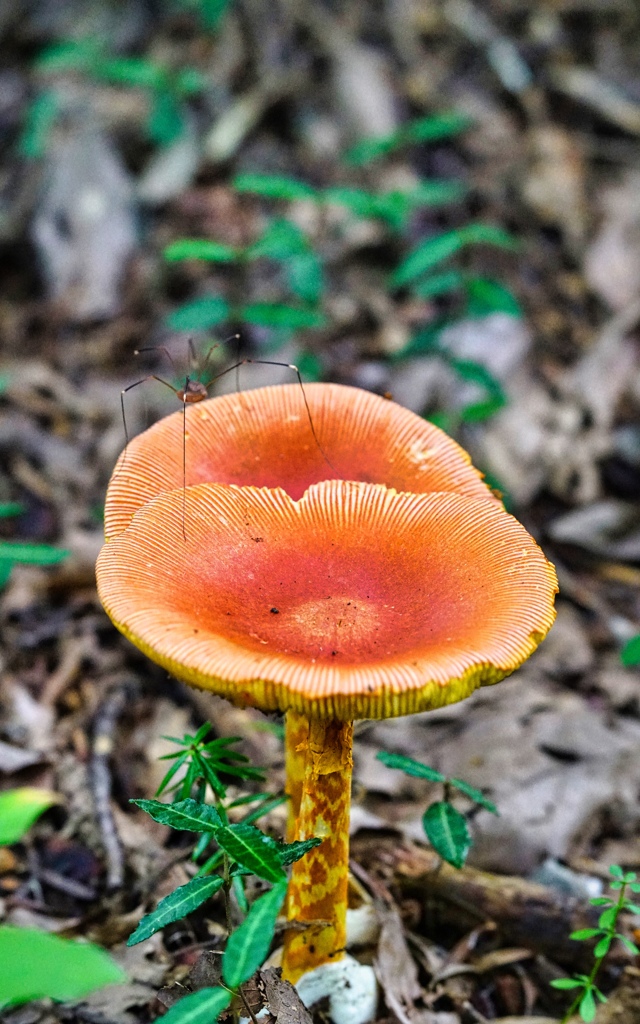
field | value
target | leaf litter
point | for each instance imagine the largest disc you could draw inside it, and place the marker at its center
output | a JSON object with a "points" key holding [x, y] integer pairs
{"points": [[551, 155]]}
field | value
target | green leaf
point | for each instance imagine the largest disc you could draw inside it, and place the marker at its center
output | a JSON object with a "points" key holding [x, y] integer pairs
{"points": [[588, 1007], [241, 896], [427, 340], [435, 193], [36, 965], [489, 234], [264, 808], [252, 849], [628, 944], [447, 831], [632, 908], [305, 277], [310, 367], [199, 315], [585, 933], [474, 794], [274, 186], [367, 150], [19, 808], [359, 202], [5, 573], [566, 983], [178, 904], [608, 917], [442, 247], [202, 1007], [438, 284], [248, 945], [427, 255], [281, 240], [212, 12], [602, 948], [274, 314], [11, 508], [31, 554], [410, 767], [476, 373], [134, 71], [188, 815], [41, 117], [166, 122], [70, 55], [175, 767], [290, 852], [616, 871], [199, 249], [433, 128], [630, 655], [436, 127], [477, 412], [189, 82], [485, 297]]}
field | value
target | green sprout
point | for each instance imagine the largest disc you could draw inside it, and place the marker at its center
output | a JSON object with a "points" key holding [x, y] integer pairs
{"points": [[445, 827], [168, 90], [240, 847], [630, 653], [584, 985], [14, 552]]}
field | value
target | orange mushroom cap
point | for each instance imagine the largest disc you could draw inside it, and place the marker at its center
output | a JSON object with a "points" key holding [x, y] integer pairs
{"points": [[264, 438], [353, 602]]}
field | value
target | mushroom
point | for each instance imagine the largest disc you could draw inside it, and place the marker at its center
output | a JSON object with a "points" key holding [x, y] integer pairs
{"points": [[399, 588], [284, 437]]}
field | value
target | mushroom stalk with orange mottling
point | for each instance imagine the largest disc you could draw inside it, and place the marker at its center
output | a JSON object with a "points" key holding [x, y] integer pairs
{"points": [[319, 766]]}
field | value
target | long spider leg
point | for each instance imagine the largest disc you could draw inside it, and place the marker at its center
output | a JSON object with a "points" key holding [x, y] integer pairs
{"points": [[286, 366], [184, 468], [212, 348], [150, 376], [157, 348]]}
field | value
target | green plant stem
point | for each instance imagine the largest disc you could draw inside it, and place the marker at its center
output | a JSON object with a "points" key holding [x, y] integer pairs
{"points": [[598, 963]]}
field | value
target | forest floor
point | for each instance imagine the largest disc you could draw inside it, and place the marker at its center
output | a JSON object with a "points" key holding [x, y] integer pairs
{"points": [[528, 354]]}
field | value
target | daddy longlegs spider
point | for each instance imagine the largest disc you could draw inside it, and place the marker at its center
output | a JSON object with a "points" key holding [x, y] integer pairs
{"points": [[194, 390]]}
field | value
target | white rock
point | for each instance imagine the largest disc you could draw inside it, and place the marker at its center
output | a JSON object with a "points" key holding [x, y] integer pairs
{"points": [[351, 987]]}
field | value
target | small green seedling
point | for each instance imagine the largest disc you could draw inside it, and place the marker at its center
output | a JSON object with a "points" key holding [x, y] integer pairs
{"points": [[433, 128], [241, 850], [281, 242], [13, 552], [209, 12], [445, 827], [246, 950], [630, 653], [587, 994], [34, 964], [168, 91], [240, 847]]}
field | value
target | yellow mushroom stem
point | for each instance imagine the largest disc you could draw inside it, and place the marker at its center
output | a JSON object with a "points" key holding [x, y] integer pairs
{"points": [[318, 764]]}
